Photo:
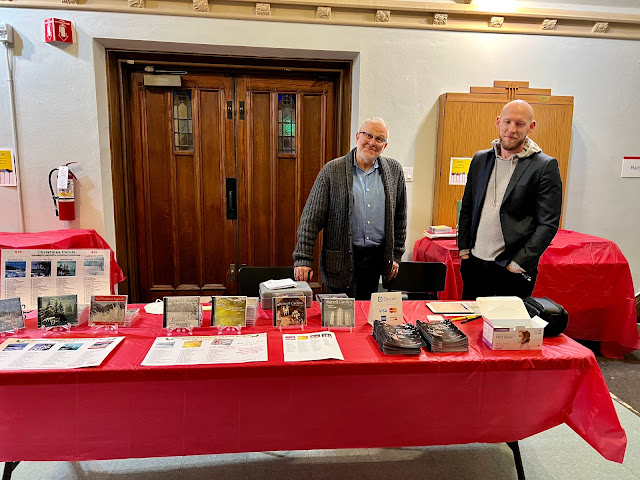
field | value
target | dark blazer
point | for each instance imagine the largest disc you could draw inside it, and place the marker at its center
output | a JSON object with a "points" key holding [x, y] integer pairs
{"points": [[530, 210]]}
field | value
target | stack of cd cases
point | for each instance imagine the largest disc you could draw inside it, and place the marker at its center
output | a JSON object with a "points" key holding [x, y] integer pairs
{"points": [[402, 339], [443, 336]]}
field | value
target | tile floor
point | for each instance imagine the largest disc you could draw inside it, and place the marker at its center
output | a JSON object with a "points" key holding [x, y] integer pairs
{"points": [[555, 454]]}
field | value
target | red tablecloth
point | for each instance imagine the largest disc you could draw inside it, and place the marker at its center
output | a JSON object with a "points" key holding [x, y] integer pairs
{"points": [[587, 275], [65, 240], [122, 409]]}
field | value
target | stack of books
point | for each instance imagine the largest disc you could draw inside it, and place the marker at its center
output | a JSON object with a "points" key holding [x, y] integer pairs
{"points": [[440, 231], [402, 339], [437, 229], [443, 336]]}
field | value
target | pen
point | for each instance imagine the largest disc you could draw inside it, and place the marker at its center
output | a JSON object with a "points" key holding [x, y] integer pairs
{"points": [[466, 318], [471, 319]]}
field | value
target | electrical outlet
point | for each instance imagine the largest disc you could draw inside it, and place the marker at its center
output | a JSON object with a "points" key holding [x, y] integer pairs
{"points": [[6, 33]]}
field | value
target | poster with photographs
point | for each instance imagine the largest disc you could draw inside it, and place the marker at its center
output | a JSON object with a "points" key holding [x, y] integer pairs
{"points": [[338, 312], [108, 310], [229, 311], [28, 274], [289, 310], [55, 353], [57, 310], [182, 312], [11, 317]]}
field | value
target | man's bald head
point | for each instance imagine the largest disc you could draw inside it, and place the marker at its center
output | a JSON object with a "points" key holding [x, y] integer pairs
{"points": [[514, 124]]}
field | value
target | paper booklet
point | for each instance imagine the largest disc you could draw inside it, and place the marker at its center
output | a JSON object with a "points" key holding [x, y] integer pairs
{"points": [[205, 350], [57, 310], [279, 284], [398, 339], [443, 336], [11, 317], [108, 310], [338, 312], [289, 310], [310, 346], [182, 312], [55, 353], [229, 311]]}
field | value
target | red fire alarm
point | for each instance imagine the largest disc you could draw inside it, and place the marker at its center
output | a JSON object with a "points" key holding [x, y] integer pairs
{"points": [[58, 31]]}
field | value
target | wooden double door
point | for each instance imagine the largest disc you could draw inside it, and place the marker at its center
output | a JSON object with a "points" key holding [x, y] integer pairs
{"points": [[221, 168]]}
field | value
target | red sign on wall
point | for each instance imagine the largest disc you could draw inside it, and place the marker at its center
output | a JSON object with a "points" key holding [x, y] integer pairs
{"points": [[57, 30]]}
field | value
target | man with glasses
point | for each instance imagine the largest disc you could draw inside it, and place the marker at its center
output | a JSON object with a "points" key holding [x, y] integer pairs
{"points": [[360, 202]]}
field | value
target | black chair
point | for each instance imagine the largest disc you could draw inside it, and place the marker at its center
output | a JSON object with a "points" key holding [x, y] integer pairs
{"points": [[418, 280], [250, 278]]}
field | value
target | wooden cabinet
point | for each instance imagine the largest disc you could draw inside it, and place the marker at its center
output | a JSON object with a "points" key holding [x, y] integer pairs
{"points": [[467, 123]]}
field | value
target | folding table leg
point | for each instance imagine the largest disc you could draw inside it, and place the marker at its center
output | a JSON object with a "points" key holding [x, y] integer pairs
{"points": [[9, 467], [515, 448]]}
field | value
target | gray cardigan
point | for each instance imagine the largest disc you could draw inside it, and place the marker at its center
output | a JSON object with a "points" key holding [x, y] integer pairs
{"points": [[329, 208]]}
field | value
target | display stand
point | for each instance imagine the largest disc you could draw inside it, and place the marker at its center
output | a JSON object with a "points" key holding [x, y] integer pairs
{"points": [[171, 331], [340, 328], [56, 329], [10, 333], [111, 329], [229, 329], [292, 327]]}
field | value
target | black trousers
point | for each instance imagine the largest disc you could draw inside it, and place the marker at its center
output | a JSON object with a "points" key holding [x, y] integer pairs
{"points": [[488, 279], [368, 264]]}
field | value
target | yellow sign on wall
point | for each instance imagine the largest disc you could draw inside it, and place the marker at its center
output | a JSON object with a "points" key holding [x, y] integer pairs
{"points": [[7, 169]]}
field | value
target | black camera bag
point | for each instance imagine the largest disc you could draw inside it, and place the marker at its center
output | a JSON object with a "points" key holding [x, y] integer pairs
{"points": [[549, 311]]}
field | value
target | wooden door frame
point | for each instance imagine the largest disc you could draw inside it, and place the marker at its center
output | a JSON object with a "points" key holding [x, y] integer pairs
{"points": [[119, 65]]}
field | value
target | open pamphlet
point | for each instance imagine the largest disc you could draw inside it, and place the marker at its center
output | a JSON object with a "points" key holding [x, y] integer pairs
{"points": [[279, 284], [55, 353], [205, 350], [311, 346]]}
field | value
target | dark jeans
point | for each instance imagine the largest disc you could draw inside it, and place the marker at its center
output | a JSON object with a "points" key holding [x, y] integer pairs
{"points": [[368, 263], [488, 279]]}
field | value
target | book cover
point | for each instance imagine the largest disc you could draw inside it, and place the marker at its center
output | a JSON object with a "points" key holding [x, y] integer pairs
{"points": [[230, 311], [289, 310], [181, 312], [57, 310], [108, 310], [11, 315], [338, 312]]}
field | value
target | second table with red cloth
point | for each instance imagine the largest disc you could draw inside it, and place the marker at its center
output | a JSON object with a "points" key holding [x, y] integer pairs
{"points": [[70, 239], [589, 276], [123, 410]]}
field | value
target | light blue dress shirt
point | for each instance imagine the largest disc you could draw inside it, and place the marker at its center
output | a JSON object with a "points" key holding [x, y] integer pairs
{"points": [[368, 206]]}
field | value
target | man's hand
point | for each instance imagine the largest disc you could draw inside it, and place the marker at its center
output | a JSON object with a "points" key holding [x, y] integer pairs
{"points": [[303, 274], [513, 267], [464, 257], [394, 270]]}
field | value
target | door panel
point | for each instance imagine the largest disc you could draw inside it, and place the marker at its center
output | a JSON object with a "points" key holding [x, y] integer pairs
{"points": [[185, 241]]}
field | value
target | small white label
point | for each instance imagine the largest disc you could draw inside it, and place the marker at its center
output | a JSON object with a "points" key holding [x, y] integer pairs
{"points": [[408, 174], [63, 177], [630, 167]]}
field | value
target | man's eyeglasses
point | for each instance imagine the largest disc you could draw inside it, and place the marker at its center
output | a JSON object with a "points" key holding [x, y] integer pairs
{"points": [[379, 140]]}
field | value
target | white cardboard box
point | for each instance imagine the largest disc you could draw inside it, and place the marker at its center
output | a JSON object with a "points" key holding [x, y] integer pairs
{"points": [[507, 325]]}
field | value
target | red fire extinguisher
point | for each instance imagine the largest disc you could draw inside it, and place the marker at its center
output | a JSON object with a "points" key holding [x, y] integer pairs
{"points": [[64, 198]]}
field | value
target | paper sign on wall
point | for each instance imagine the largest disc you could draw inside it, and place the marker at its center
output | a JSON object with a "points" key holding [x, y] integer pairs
{"points": [[630, 167], [458, 170], [7, 169]]}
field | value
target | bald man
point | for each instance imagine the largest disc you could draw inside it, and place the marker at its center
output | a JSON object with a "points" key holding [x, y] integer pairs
{"points": [[360, 202], [510, 210]]}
